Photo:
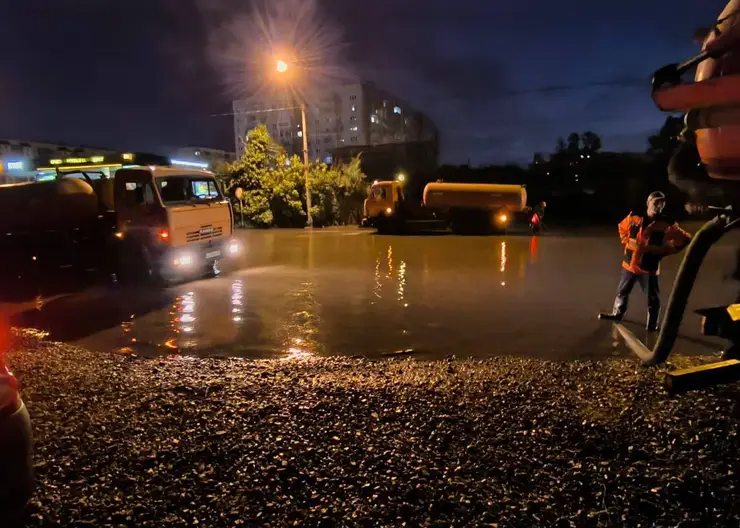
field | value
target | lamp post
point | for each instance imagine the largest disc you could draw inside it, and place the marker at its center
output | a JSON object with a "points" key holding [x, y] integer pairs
{"points": [[282, 67]]}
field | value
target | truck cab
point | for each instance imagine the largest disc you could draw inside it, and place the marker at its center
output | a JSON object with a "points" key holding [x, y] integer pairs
{"points": [[382, 200], [175, 221]]}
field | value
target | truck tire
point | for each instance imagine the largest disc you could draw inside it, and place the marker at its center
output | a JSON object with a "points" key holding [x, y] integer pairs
{"points": [[135, 265]]}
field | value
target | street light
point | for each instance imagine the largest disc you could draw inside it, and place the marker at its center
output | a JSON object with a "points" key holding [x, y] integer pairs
{"points": [[401, 177], [282, 67]]}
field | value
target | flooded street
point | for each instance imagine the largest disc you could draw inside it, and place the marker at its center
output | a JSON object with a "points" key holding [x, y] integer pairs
{"points": [[351, 292]]}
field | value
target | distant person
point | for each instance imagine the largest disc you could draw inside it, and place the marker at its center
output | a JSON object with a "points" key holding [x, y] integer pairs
{"points": [[538, 217], [646, 241]]}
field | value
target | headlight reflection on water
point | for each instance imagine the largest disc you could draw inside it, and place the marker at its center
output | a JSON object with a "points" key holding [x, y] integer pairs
{"points": [[237, 299]]}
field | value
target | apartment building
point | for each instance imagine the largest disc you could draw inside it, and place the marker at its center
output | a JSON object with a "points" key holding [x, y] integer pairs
{"points": [[352, 115]]}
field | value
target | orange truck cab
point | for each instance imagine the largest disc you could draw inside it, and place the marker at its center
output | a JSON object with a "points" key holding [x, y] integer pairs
{"points": [[174, 220]]}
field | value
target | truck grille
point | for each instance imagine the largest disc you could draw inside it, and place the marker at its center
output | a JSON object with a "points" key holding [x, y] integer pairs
{"points": [[205, 232]]}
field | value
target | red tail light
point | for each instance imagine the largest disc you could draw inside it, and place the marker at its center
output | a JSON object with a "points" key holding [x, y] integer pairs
{"points": [[164, 235]]}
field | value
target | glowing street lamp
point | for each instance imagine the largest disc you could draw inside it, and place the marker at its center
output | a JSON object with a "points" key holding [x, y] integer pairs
{"points": [[282, 67], [401, 177]]}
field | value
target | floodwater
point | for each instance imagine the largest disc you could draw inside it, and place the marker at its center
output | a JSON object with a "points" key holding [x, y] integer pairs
{"points": [[351, 292]]}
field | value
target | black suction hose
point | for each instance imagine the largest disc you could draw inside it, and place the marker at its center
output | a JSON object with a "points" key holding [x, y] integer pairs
{"points": [[704, 239]]}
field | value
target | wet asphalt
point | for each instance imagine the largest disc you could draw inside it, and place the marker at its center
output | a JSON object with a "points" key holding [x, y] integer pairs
{"points": [[350, 292]]}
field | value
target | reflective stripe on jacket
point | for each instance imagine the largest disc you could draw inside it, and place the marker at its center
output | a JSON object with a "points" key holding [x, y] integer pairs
{"points": [[646, 241]]}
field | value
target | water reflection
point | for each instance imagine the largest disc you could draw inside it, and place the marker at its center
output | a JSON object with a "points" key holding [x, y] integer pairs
{"points": [[402, 283], [533, 247], [299, 332], [503, 263], [237, 302]]}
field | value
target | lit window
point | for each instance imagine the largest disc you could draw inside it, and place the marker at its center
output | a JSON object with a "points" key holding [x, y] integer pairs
{"points": [[300, 133], [341, 140], [373, 118], [397, 110], [197, 152], [353, 129], [385, 104], [328, 159], [354, 108], [353, 118]]}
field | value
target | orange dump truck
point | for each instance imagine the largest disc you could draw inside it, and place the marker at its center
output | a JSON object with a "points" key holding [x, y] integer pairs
{"points": [[462, 207]]}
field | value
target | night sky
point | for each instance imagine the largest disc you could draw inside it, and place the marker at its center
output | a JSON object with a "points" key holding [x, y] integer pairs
{"points": [[145, 75]]}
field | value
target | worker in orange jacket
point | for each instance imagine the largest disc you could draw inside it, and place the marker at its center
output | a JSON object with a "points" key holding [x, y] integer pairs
{"points": [[646, 241]]}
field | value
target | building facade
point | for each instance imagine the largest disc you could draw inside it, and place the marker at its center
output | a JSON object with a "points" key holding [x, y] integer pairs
{"points": [[19, 158], [353, 115]]}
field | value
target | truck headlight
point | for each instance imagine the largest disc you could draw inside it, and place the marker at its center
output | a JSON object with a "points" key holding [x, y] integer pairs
{"points": [[183, 261], [234, 247]]}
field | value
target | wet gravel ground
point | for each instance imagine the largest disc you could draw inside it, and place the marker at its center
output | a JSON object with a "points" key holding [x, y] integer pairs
{"points": [[125, 441]]}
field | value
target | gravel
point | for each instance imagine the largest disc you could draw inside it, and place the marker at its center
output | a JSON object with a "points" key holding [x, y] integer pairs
{"points": [[124, 441]]}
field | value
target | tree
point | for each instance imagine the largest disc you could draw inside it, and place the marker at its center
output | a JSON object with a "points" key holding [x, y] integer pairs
{"points": [[574, 144], [591, 142], [269, 179], [274, 185], [666, 140], [560, 146]]}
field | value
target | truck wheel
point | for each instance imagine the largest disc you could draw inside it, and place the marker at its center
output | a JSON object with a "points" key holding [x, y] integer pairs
{"points": [[135, 265]]}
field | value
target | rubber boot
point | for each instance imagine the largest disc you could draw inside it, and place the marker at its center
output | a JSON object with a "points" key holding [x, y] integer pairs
{"points": [[653, 318], [613, 316]]}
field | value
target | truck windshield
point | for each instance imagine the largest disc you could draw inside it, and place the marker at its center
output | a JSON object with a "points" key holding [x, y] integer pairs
{"points": [[179, 189]]}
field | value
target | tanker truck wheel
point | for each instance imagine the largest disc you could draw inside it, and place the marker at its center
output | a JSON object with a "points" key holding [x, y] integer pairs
{"points": [[135, 265]]}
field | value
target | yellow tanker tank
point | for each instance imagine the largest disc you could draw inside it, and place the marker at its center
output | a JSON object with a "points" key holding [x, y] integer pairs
{"points": [[475, 196]]}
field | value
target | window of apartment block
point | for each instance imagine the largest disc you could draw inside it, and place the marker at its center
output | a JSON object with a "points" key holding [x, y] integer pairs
{"points": [[397, 110], [354, 108], [353, 129], [352, 97], [353, 118], [354, 138]]}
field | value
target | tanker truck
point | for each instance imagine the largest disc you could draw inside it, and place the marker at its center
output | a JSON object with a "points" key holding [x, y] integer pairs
{"points": [[465, 208], [141, 222]]}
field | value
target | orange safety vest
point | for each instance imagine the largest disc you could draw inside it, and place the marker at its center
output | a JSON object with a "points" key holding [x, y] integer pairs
{"points": [[645, 245]]}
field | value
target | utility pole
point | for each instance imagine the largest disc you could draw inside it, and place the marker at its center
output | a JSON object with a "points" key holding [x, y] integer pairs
{"points": [[309, 219]]}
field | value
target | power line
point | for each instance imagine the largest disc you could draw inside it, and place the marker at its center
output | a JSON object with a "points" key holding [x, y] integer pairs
{"points": [[247, 112], [629, 82]]}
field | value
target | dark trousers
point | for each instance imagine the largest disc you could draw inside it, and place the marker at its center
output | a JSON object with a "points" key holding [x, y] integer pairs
{"points": [[648, 283]]}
